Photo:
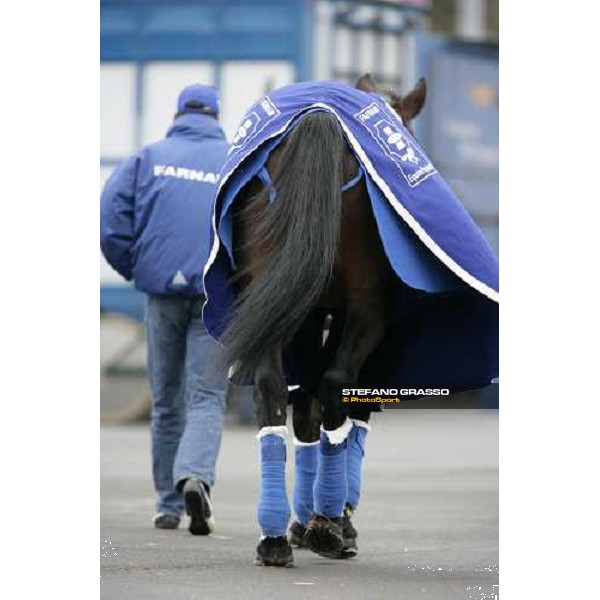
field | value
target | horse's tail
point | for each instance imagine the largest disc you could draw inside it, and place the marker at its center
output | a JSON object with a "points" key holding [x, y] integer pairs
{"points": [[294, 240]]}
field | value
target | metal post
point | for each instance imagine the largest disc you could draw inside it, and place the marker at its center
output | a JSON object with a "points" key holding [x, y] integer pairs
{"points": [[471, 19]]}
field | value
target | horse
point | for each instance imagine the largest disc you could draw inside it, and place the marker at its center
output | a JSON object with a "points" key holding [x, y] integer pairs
{"points": [[307, 250]]}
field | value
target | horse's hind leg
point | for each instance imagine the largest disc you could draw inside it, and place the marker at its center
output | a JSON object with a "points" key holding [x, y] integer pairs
{"points": [[355, 453], [307, 423], [364, 329], [359, 415], [270, 398], [314, 356], [307, 350]]}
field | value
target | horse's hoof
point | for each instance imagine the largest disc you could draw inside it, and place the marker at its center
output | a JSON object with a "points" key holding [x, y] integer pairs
{"points": [[325, 536], [349, 534], [274, 552], [296, 535]]}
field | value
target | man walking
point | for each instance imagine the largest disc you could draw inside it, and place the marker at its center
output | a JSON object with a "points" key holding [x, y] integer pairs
{"points": [[155, 230]]}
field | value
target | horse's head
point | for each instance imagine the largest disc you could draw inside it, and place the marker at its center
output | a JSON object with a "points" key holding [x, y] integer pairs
{"points": [[407, 107]]}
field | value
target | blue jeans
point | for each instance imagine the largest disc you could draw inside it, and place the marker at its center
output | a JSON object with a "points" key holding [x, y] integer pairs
{"points": [[188, 397]]}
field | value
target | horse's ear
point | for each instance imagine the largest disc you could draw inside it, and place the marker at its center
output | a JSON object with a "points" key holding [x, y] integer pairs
{"points": [[413, 102], [366, 84]]}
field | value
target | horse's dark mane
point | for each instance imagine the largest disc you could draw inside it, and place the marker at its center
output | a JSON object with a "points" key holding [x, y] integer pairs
{"points": [[294, 240]]}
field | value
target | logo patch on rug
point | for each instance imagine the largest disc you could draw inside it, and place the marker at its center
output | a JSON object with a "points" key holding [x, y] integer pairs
{"points": [[396, 144], [254, 122]]}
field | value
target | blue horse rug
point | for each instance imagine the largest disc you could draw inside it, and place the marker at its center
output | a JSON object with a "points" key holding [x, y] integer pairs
{"points": [[444, 331]]}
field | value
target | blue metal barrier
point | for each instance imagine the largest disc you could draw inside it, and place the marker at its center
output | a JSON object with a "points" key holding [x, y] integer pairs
{"points": [[124, 300]]}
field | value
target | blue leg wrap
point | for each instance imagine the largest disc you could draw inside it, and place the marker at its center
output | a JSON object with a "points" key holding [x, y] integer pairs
{"points": [[273, 505], [307, 458], [331, 485], [356, 453]]}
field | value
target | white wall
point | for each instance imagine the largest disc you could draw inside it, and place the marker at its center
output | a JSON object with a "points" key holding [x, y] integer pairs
{"points": [[117, 109]]}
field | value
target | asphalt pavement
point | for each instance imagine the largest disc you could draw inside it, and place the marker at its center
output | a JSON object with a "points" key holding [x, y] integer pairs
{"points": [[427, 524]]}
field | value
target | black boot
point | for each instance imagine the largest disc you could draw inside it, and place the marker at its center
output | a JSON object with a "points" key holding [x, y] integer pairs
{"points": [[197, 506]]}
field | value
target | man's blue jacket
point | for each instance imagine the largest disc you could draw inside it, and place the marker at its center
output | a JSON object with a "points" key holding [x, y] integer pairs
{"points": [[156, 207]]}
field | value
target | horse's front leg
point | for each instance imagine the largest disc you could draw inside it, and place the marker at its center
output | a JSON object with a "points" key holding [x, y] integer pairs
{"points": [[363, 330], [270, 402]]}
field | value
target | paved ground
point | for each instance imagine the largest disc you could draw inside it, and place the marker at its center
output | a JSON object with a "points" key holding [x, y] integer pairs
{"points": [[428, 523]]}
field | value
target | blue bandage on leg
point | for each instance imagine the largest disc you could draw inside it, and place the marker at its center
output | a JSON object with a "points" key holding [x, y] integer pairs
{"points": [[354, 459], [307, 459], [273, 505], [331, 485]]}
